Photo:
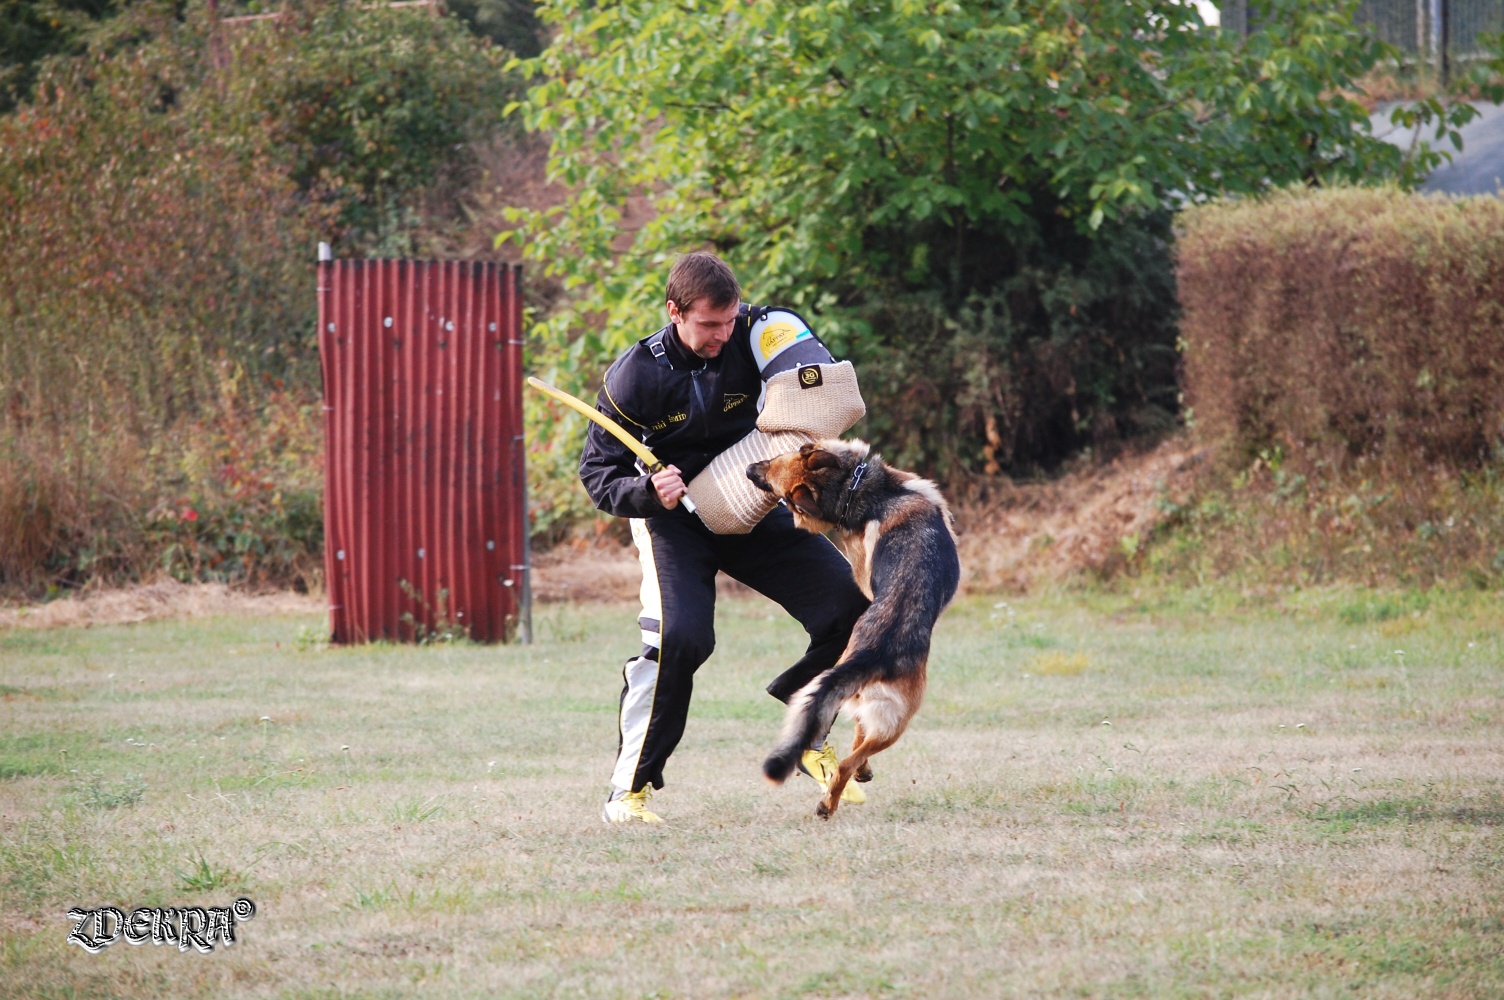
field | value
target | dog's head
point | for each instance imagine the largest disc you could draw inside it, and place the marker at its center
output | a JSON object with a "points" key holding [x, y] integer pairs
{"points": [[811, 480]]}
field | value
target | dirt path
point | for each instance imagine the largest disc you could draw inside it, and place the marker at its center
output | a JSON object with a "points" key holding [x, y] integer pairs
{"points": [[1084, 522]]}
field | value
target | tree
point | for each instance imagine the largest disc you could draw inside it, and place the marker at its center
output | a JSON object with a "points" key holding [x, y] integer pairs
{"points": [[512, 24], [862, 161], [31, 30], [374, 108]]}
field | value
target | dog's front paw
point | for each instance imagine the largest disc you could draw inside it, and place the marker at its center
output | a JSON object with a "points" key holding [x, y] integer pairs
{"points": [[824, 809], [864, 773]]}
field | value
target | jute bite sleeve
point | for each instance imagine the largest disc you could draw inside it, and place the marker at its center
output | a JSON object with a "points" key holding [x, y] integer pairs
{"points": [[801, 404]]}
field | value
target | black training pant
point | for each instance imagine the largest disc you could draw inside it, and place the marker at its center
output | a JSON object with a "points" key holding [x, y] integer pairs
{"points": [[801, 571]]}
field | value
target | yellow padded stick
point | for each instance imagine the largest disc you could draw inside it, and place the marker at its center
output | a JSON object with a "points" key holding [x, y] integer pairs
{"points": [[615, 429]]}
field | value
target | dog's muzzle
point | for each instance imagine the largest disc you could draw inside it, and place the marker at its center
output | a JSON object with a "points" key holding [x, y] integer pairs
{"points": [[758, 473]]}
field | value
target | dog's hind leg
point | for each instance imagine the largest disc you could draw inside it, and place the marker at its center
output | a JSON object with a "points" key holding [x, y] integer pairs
{"points": [[849, 767], [863, 773]]}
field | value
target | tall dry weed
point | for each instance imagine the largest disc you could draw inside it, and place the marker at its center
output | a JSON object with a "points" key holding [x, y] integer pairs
{"points": [[231, 494], [69, 508]]}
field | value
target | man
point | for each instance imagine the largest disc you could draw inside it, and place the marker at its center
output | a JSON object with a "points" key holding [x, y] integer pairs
{"points": [[690, 391]]}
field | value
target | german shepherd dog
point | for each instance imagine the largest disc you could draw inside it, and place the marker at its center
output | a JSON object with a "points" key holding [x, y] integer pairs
{"points": [[897, 532]]}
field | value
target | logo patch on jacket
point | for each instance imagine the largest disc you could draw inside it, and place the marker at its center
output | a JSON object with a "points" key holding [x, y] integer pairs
{"points": [[732, 400]]}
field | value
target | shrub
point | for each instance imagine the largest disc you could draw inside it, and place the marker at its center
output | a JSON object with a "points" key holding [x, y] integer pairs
{"points": [[1075, 349], [34, 29], [1346, 325], [1343, 357], [372, 109]]}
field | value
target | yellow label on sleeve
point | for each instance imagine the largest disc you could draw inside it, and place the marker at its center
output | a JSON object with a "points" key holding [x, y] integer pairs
{"points": [[775, 337]]}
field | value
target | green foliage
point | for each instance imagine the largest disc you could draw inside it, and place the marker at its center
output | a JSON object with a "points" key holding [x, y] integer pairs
{"points": [[556, 503], [431, 624], [1075, 349], [1383, 607], [512, 24], [103, 793], [867, 163], [372, 106], [202, 876], [32, 30]]}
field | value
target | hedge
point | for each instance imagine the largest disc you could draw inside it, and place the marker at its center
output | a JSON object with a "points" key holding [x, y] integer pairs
{"points": [[1346, 326]]}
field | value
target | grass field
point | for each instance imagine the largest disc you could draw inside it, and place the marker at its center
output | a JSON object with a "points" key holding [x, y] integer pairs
{"points": [[1105, 795]]}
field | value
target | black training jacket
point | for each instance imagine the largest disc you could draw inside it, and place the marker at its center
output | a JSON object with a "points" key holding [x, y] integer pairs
{"points": [[686, 409]]}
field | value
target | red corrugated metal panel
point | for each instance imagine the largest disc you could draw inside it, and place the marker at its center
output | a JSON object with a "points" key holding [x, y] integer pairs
{"points": [[425, 500]]}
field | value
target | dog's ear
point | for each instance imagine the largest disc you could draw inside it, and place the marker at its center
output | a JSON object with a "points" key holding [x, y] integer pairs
{"points": [[803, 500], [818, 458]]}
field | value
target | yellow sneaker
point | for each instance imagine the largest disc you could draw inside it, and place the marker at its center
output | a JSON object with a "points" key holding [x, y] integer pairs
{"points": [[821, 765], [631, 808]]}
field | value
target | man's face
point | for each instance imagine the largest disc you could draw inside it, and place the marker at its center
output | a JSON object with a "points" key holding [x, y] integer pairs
{"points": [[703, 328]]}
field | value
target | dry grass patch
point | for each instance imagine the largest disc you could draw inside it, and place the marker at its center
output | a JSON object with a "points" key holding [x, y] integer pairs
{"points": [[1209, 809], [1057, 664], [1093, 520], [163, 598]]}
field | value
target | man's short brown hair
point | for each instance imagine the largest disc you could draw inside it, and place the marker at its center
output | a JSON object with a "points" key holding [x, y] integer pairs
{"points": [[701, 275]]}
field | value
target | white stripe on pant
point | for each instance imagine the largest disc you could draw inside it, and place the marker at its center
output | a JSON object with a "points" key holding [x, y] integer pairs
{"points": [[640, 673]]}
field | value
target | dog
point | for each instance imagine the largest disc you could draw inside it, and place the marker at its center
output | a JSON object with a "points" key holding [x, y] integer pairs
{"points": [[898, 534]]}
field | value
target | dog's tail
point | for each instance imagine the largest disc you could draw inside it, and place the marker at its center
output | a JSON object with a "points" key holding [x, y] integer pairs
{"points": [[812, 711]]}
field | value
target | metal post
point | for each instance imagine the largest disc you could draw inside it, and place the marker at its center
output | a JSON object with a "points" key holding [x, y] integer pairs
{"points": [[525, 599], [515, 346], [1420, 31], [1446, 42]]}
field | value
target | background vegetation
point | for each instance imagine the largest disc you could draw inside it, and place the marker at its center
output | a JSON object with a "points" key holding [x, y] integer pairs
{"points": [[1342, 355], [976, 202], [162, 197], [32, 30], [973, 199], [1396, 364]]}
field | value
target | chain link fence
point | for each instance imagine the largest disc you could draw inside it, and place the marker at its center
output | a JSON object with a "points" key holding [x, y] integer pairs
{"points": [[1415, 27]]}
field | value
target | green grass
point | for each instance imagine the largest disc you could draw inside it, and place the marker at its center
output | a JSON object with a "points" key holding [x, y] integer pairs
{"points": [[1135, 794]]}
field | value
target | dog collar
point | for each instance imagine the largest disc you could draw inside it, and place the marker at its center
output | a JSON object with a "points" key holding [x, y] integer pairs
{"points": [[856, 480]]}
